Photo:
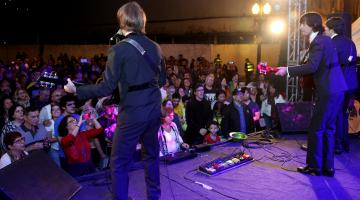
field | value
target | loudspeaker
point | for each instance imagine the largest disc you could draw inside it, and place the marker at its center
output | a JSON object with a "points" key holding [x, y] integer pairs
{"points": [[347, 19], [36, 177], [295, 116]]}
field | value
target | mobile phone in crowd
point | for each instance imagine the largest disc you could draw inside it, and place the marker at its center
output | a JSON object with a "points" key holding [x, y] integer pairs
{"points": [[90, 115]]}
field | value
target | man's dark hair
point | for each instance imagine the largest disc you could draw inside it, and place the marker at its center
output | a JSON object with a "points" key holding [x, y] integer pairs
{"points": [[220, 92], [10, 137], [337, 24], [63, 131], [314, 20], [65, 99], [176, 95], [212, 123], [30, 109], [197, 85], [12, 109]]}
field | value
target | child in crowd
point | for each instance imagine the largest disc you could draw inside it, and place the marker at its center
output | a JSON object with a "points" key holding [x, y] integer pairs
{"points": [[212, 136]]}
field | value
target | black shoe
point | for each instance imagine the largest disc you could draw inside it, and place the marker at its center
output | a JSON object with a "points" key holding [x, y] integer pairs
{"points": [[329, 172], [304, 147], [309, 170]]}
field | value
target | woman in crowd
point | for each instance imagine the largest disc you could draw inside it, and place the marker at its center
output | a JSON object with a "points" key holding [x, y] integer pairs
{"points": [[234, 83], [187, 87], [54, 150], [16, 118], [76, 145], [167, 104], [169, 136], [268, 108], [15, 149], [225, 87], [98, 144], [5, 104], [22, 97]]}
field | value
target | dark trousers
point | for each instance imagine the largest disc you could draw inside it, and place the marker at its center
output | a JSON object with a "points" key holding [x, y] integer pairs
{"points": [[320, 152], [342, 124], [126, 137]]}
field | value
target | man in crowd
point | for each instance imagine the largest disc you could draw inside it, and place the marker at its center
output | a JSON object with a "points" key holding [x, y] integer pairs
{"points": [[237, 116], [33, 132], [198, 114]]}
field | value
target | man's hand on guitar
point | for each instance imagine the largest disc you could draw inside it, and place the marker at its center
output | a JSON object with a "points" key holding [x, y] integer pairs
{"points": [[70, 87], [282, 71]]}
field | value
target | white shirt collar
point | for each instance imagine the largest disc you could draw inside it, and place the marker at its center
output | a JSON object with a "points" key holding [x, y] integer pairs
{"points": [[312, 36], [333, 36]]}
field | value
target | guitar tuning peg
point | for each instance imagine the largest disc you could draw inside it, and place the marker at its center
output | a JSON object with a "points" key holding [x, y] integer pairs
{"points": [[52, 85], [46, 75]]}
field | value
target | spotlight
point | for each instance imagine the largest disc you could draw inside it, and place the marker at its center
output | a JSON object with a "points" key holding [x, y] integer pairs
{"points": [[277, 27]]}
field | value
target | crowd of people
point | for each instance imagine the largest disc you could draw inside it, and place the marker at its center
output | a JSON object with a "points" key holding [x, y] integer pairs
{"points": [[202, 102]]}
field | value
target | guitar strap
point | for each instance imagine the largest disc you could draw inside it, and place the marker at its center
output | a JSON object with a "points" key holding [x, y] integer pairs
{"points": [[155, 67]]}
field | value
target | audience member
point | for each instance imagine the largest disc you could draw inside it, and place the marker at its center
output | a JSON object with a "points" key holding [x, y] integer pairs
{"points": [[16, 118], [34, 133], [212, 136], [237, 116], [15, 149], [268, 108], [21, 97], [198, 114], [170, 140], [76, 145]]}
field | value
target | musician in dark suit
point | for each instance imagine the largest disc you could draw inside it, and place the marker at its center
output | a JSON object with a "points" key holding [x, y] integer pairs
{"points": [[138, 82], [330, 85], [346, 50]]}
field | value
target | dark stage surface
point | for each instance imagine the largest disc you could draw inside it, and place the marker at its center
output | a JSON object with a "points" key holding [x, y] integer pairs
{"points": [[270, 176]]}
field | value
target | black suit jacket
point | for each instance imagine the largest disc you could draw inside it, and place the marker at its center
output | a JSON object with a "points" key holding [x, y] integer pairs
{"points": [[324, 67], [231, 120], [127, 67], [345, 48]]}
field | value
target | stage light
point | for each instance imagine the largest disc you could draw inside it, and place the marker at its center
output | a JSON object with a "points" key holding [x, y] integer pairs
{"points": [[255, 9], [277, 26], [267, 9]]}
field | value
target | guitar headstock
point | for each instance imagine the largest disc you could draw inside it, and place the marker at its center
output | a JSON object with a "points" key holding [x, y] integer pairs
{"points": [[49, 80]]}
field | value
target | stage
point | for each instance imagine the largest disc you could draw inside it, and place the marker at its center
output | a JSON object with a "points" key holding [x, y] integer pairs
{"points": [[270, 176]]}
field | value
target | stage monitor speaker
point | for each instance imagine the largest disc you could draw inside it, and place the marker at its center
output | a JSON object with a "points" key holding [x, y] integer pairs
{"points": [[347, 19], [36, 177], [295, 116]]}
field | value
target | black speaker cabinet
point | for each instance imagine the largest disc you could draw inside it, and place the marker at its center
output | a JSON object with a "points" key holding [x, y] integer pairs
{"points": [[36, 177]]}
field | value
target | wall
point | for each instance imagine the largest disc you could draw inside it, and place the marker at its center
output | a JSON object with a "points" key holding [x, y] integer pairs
{"points": [[355, 31], [228, 52]]}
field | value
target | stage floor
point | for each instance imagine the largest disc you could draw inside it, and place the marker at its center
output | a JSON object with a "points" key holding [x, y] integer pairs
{"points": [[271, 176]]}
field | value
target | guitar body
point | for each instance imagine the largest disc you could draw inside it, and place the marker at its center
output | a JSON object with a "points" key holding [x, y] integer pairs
{"points": [[263, 68]]}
